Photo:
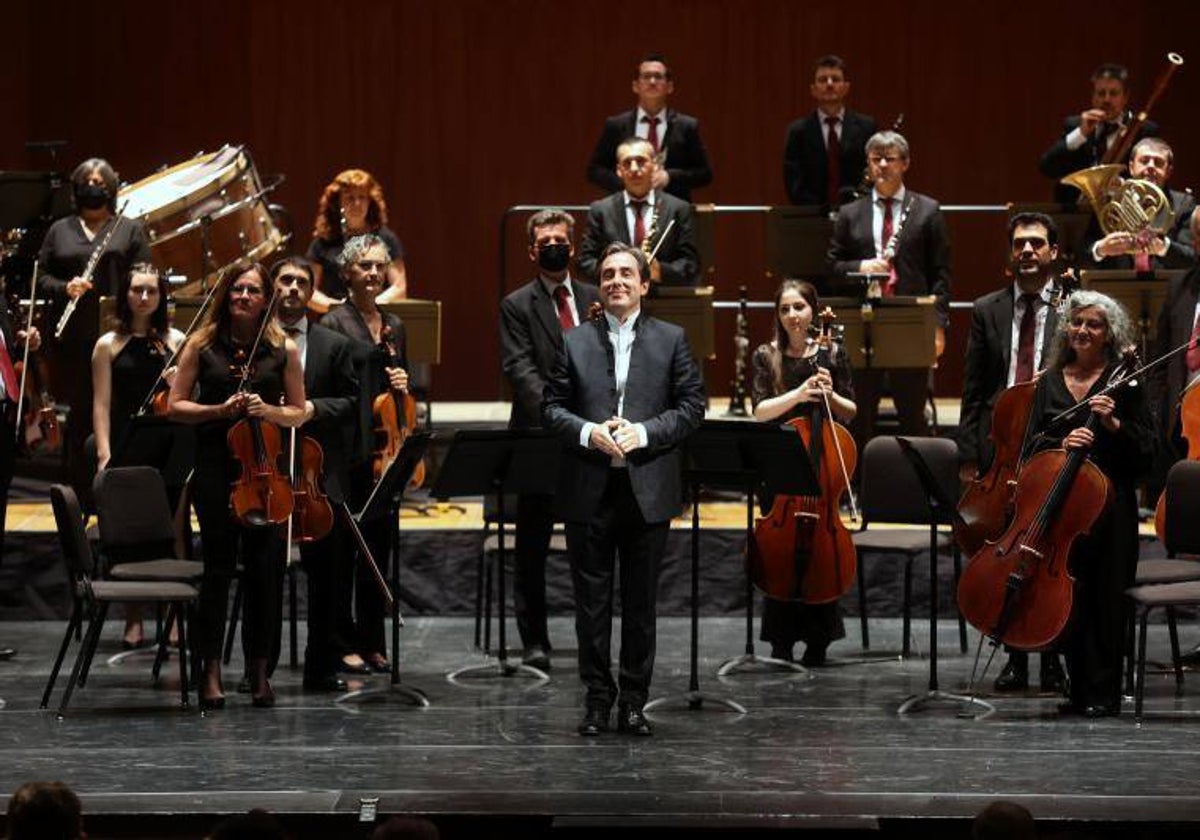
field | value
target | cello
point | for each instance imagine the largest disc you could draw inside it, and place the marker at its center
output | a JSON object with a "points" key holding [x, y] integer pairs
{"points": [[312, 515], [37, 424], [802, 551], [395, 417], [1189, 424]]}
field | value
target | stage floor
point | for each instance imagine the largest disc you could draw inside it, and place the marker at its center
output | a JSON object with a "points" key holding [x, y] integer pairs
{"points": [[500, 755]]}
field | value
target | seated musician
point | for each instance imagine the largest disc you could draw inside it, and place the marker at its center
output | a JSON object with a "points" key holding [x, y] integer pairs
{"points": [[787, 382], [1087, 344], [1151, 160], [640, 215], [901, 233], [1010, 335], [379, 354], [127, 368], [236, 345]]}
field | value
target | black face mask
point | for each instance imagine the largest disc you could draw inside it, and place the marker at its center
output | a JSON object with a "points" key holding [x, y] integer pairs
{"points": [[555, 256], [91, 196]]}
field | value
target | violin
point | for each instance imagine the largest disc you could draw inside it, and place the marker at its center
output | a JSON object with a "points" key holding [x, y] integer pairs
{"points": [[38, 428], [312, 515], [395, 417], [802, 551], [262, 494]]}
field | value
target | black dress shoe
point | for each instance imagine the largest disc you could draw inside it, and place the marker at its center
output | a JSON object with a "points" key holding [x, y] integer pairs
{"points": [[631, 721], [326, 682], [378, 664], [1014, 677], [1051, 676], [814, 657], [536, 657], [1099, 710], [594, 722], [7, 653], [363, 670], [209, 704]]}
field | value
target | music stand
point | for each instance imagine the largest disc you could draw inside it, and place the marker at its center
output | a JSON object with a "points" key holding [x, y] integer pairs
{"points": [[384, 501], [734, 455], [1141, 293], [942, 510], [499, 461]]}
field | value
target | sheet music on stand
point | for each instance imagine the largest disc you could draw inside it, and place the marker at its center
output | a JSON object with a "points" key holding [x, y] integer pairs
{"points": [[897, 332]]}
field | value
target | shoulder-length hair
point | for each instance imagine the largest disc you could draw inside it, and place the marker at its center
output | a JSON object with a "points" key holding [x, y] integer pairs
{"points": [[1119, 334], [159, 323], [112, 181], [328, 225], [216, 319], [779, 344]]}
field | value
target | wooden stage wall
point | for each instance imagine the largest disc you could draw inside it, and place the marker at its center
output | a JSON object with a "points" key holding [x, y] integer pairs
{"points": [[464, 108]]}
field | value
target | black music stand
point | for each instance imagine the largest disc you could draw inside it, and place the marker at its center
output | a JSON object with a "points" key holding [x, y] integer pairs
{"points": [[942, 510], [384, 501], [515, 461], [734, 455]]}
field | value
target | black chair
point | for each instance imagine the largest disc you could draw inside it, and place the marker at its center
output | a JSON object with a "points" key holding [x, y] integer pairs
{"points": [[93, 598], [891, 493]]}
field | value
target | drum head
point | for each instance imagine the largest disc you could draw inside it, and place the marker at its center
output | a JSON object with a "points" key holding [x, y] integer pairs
{"points": [[166, 192]]}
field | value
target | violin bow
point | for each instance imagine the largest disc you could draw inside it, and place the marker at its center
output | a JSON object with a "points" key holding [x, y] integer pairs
{"points": [[25, 355], [1120, 379]]}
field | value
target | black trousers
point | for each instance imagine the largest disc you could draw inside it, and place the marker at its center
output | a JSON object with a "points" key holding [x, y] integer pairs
{"points": [[616, 531], [535, 523], [328, 569], [786, 622], [8, 457], [910, 391]]}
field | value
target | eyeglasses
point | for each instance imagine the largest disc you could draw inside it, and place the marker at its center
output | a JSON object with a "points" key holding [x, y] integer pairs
{"points": [[878, 160], [653, 77], [1035, 242]]}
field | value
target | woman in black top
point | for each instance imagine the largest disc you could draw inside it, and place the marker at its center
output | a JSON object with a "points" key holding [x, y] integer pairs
{"points": [[212, 362], [787, 383]]}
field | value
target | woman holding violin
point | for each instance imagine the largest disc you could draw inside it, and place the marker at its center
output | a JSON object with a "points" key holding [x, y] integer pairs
{"points": [[379, 357], [788, 382], [239, 373]]}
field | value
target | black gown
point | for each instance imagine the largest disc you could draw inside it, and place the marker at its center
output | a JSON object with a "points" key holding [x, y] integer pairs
{"points": [[786, 622], [146, 441]]}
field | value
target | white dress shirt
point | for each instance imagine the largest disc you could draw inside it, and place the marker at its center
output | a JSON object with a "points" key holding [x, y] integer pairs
{"points": [[877, 216], [1039, 329], [621, 336]]}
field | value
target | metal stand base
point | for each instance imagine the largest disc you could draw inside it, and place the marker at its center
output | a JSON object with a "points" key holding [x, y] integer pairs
{"points": [[752, 662], [965, 704], [498, 668], [413, 695], [695, 700], [119, 658]]}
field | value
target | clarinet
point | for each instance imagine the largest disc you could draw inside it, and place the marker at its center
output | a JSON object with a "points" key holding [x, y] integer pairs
{"points": [[88, 271], [741, 343]]}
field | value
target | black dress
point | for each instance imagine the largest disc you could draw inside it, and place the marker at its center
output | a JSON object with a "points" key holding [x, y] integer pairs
{"points": [[327, 254], [786, 622], [146, 441], [1104, 562]]}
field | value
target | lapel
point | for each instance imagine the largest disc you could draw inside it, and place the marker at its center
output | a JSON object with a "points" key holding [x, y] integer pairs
{"points": [[314, 352], [1002, 319], [636, 353], [545, 312], [616, 217], [816, 137]]}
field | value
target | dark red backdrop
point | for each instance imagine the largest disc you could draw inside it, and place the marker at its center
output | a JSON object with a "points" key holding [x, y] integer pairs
{"points": [[464, 108]]}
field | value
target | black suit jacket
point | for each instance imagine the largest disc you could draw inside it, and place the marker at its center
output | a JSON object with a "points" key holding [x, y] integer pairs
{"points": [[678, 257], [663, 391], [922, 248], [530, 340], [985, 376], [1175, 321], [1181, 251], [686, 159], [332, 384], [1058, 161], [805, 160]]}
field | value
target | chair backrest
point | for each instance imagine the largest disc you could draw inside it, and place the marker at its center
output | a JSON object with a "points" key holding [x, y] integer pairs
{"points": [[1183, 509], [72, 531], [134, 517], [935, 462], [890, 489]]}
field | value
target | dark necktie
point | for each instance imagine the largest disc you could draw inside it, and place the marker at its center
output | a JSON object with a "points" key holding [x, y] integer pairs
{"points": [[8, 373], [652, 134], [639, 221], [1193, 352], [1025, 339], [833, 150], [885, 238], [562, 302]]}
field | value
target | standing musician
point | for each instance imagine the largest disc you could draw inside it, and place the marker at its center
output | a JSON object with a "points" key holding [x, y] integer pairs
{"points": [[1011, 329], [1090, 339], [533, 320], [788, 383], [379, 354], [894, 230], [331, 389], [238, 343], [127, 366], [66, 251]]}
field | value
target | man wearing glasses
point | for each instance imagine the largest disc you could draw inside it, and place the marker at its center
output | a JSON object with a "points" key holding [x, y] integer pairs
{"points": [[674, 137]]}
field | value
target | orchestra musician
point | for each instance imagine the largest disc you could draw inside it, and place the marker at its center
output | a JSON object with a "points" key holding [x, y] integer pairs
{"points": [[533, 320], [639, 215], [623, 394], [379, 348], [1011, 332], [352, 204], [63, 259], [899, 232], [237, 341], [1093, 333], [674, 137], [825, 152], [786, 383], [331, 389]]}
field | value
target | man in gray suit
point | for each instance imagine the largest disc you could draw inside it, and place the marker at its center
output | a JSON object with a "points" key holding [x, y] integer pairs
{"points": [[624, 393]]}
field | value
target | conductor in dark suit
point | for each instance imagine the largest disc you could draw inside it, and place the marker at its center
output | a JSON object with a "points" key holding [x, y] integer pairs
{"points": [[1085, 138], [825, 153], [533, 320], [675, 137], [623, 394], [1011, 330], [331, 388], [644, 217], [902, 233]]}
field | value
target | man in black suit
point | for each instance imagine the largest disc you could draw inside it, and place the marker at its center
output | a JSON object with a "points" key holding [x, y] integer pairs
{"points": [[825, 153], [331, 389], [533, 320], [674, 137], [1150, 160], [1011, 330], [642, 216], [1085, 138], [623, 394], [902, 233]]}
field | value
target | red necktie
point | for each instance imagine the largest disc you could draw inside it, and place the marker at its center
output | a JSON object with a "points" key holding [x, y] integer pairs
{"points": [[833, 149], [885, 238], [1193, 352], [1141, 261], [562, 302], [8, 373], [652, 134], [1025, 339], [639, 222]]}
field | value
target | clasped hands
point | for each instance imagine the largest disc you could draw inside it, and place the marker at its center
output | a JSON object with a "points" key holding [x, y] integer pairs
{"points": [[244, 402], [815, 387], [1123, 242], [616, 437], [1104, 407]]}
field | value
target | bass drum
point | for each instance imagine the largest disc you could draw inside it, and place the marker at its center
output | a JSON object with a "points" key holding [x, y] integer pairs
{"points": [[214, 200]]}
